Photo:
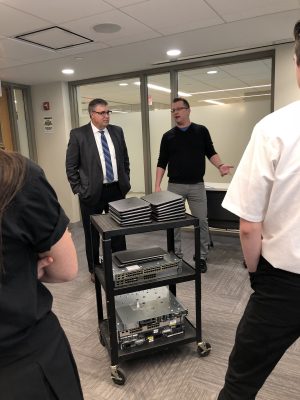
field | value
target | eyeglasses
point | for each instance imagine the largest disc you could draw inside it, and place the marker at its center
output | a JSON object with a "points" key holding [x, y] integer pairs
{"points": [[173, 110], [102, 113]]}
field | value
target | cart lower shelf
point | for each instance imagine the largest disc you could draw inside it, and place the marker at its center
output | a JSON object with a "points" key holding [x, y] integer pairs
{"points": [[188, 336]]}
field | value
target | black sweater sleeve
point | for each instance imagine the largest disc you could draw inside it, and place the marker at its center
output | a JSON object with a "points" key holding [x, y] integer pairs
{"points": [[163, 157]]}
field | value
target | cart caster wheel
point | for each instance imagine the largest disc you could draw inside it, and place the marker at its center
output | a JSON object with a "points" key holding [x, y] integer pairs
{"points": [[203, 349], [118, 376], [101, 340]]}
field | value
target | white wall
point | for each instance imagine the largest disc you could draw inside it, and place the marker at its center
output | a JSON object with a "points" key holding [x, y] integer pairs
{"points": [[229, 138], [51, 147], [286, 89]]}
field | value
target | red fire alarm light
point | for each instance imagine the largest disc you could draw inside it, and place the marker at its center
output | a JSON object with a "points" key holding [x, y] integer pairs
{"points": [[46, 106]]}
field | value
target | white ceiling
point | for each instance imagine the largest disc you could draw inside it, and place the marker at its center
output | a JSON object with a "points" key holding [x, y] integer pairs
{"points": [[148, 29]]}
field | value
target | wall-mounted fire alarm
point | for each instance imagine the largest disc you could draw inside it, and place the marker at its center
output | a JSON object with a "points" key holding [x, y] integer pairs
{"points": [[46, 106]]}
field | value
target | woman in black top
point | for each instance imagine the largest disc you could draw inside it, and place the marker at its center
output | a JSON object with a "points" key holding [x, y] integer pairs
{"points": [[36, 362]]}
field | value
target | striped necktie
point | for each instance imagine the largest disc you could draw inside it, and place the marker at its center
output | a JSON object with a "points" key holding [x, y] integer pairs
{"points": [[107, 157]]}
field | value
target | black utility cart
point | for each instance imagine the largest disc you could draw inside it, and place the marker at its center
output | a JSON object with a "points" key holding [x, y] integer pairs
{"points": [[108, 228]]}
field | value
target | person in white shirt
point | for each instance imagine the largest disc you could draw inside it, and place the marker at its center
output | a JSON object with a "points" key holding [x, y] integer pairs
{"points": [[265, 194]]}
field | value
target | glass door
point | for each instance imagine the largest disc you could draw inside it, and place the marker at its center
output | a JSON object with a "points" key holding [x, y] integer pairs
{"points": [[6, 136], [21, 125], [159, 100], [123, 97]]}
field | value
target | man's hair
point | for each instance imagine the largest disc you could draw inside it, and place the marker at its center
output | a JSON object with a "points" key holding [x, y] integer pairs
{"points": [[297, 42], [185, 102], [94, 103], [12, 175]]}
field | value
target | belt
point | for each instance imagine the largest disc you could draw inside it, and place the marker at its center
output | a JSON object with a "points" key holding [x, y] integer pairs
{"points": [[110, 183]]}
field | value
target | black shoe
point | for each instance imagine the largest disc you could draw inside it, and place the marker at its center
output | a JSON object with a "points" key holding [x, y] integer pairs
{"points": [[203, 266]]}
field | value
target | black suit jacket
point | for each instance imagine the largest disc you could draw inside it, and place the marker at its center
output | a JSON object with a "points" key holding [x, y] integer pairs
{"points": [[83, 164]]}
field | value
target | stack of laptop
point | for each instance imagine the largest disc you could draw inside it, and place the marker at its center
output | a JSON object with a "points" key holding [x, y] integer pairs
{"points": [[166, 206], [131, 211]]}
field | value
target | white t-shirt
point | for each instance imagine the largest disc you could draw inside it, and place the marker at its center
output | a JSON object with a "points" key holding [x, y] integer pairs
{"points": [[266, 186]]}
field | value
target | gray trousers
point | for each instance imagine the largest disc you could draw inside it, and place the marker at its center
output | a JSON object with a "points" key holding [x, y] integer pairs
{"points": [[195, 195]]}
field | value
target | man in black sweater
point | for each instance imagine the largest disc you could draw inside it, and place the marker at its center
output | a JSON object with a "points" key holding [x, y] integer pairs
{"points": [[183, 149]]}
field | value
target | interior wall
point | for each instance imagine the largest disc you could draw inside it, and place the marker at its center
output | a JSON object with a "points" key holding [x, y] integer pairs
{"points": [[286, 88], [51, 146]]}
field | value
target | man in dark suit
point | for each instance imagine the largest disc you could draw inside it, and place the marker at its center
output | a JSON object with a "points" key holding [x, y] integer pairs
{"points": [[97, 167]]}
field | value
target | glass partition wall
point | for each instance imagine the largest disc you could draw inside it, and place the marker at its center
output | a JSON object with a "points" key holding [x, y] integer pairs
{"points": [[159, 95], [123, 97], [229, 100], [228, 96]]}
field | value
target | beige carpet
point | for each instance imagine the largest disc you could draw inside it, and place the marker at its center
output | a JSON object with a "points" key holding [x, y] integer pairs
{"points": [[178, 373]]}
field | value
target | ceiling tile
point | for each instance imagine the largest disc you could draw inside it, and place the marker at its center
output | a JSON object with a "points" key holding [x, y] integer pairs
{"points": [[131, 30], [14, 22], [58, 11], [13, 48], [82, 49], [123, 3], [172, 16], [232, 10], [9, 62]]}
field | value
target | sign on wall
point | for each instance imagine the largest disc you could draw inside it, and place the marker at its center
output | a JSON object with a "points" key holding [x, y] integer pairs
{"points": [[48, 125]]}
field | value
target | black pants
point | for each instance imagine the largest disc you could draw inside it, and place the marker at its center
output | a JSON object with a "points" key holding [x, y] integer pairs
{"points": [[269, 326], [41, 366], [109, 193]]}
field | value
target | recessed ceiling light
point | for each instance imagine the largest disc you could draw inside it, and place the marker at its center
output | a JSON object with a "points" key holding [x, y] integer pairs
{"points": [[107, 28], [173, 52], [68, 71], [123, 84], [213, 71], [79, 58]]}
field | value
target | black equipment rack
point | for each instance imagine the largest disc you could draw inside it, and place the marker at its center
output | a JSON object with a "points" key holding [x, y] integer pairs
{"points": [[108, 228]]}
